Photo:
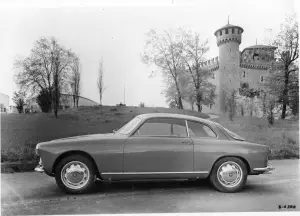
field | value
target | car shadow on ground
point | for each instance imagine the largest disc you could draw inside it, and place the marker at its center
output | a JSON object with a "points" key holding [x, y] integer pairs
{"points": [[157, 185]]}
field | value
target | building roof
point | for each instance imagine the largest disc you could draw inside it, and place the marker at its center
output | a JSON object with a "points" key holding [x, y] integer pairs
{"points": [[4, 94], [261, 47], [228, 26]]}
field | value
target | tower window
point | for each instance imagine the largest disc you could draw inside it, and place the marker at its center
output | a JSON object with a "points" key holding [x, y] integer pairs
{"points": [[213, 75], [244, 74], [226, 31], [221, 33], [210, 106], [261, 79]]}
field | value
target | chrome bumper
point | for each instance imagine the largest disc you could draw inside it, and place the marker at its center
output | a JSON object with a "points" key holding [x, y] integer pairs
{"points": [[39, 168], [264, 170]]}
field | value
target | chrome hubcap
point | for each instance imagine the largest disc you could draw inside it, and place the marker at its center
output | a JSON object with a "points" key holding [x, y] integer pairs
{"points": [[230, 174], [75, 175]]}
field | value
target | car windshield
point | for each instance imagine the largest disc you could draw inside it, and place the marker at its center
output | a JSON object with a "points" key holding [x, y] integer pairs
{"points": [[127, 128], [232, 134]]}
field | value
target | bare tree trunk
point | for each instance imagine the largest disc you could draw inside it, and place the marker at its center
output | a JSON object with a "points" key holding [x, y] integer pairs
{"points": [[198, 99], [56, 86], [285, 93], [179, 96], [56, 99]]}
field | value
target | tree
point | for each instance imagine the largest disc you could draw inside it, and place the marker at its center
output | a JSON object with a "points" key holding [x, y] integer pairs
{"points": [[165, 52], [75, 80], [19, 99], [44, 101], [270, 109], [249, 93], [294, 93], [170, 93], [45, 69], [142, 104], [100, 81], [287, 43], [194, 51]]}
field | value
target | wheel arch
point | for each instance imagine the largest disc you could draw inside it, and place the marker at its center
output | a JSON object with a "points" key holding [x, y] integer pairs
{"points": [[235, 156], [78, 152]]}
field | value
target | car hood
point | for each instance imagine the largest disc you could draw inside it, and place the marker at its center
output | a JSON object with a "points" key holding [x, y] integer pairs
{"points": [[88, 137], [72, 142]]}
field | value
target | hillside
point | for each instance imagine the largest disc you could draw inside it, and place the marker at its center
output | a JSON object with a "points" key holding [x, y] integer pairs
{"points": [[29, 129], [282, 137]]}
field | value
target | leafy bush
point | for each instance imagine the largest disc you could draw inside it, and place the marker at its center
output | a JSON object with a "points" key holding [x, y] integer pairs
{"points": [[17, 153], [113, 109]]}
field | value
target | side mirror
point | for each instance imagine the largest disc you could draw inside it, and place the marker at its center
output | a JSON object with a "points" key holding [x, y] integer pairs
{"points": [[115, 130]]}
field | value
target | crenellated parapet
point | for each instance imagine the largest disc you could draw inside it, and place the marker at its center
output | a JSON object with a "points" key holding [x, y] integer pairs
{"points": [[211, 64], [228, 39], [273, 65], [229, 33]]}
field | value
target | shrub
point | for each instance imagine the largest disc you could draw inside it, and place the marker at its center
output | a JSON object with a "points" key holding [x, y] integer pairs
{"points": [[113, 109], [17, 153]]}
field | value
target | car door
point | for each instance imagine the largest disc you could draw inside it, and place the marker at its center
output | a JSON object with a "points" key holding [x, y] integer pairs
{"points": [[207, 146], [160, 146]]}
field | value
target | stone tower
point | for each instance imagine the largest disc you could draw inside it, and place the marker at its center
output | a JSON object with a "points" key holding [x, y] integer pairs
{"points": [[229, 38]]}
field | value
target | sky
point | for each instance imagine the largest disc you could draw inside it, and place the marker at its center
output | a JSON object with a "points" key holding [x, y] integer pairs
{"points": [[115, 31]]}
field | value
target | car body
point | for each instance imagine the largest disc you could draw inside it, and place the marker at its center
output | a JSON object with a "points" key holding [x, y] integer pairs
{"points": [[155, 146]]}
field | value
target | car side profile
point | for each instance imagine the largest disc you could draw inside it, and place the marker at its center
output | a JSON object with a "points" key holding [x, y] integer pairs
{"points": [[155, 146]]}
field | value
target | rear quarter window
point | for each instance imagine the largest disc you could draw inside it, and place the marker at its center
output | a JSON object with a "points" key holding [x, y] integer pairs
{"points": [[197, 129]]}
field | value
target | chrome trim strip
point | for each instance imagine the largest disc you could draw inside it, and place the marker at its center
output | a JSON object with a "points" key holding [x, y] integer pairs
{"points": [[187, 128], [149, 173]]}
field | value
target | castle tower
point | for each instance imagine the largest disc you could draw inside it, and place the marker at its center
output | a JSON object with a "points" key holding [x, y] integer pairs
{"points": [[229, 38]]}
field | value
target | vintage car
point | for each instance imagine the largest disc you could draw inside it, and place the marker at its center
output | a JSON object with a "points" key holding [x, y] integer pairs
{"points": [[154, 146]]}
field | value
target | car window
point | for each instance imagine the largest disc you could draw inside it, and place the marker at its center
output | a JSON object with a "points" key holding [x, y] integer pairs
{"points": [[197, 129], [163, 127]]}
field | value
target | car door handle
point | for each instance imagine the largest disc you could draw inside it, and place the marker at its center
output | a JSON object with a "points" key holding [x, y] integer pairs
{"points": [[187, 142]]}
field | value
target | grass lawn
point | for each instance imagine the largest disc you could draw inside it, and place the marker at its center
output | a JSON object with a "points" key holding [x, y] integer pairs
{"points": [[20, 130], [282, 137]]}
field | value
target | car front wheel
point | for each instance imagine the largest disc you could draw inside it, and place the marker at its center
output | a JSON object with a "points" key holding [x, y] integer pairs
{"points": [[229, 175], [75, 174]]}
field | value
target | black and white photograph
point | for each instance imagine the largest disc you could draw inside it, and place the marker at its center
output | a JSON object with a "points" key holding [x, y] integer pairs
{"points": [[142, 107]]}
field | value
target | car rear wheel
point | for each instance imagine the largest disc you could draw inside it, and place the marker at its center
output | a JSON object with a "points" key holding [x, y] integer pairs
{"points": [[229, 175], [75, 174]]}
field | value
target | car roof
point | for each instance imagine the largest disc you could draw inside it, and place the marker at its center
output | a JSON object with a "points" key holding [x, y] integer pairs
{"points": [[174, 115]]}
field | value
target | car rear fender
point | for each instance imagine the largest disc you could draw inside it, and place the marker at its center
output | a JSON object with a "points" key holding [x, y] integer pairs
{"points": [[239, 157]]}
